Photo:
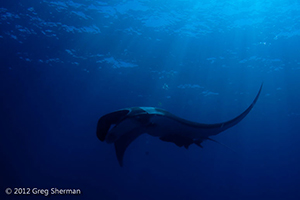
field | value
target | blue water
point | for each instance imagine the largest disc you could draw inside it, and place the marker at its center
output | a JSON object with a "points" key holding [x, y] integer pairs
{"points": [[64, 64]]}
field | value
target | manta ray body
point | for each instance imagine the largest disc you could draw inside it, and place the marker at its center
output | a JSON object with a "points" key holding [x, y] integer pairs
{"points": [[123, 126]]}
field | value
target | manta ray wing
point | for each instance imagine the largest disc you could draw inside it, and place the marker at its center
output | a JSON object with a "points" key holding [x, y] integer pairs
{"points": [[226, 125], [124, 141], [214, 129]]}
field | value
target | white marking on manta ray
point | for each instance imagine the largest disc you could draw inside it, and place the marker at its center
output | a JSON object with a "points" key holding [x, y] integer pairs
{"points": [[151, 110]]}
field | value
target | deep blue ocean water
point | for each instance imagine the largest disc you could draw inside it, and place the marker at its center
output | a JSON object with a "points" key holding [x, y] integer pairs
{"points": [[64, 64]]}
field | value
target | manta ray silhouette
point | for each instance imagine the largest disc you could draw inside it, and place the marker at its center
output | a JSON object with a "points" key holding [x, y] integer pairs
{"points": [[124, 126]]}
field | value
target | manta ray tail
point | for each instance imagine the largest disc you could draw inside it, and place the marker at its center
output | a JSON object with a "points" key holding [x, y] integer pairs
{"points": [[221, 144]]}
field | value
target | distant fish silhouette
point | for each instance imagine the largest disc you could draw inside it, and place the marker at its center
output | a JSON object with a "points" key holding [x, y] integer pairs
{"points": [[124, 126]]}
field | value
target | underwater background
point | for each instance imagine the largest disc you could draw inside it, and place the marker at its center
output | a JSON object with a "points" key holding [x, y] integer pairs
{"points": [[64, 64]]}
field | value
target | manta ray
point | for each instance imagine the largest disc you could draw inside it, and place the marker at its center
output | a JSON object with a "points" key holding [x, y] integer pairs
{"points": [[123, 126]]}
